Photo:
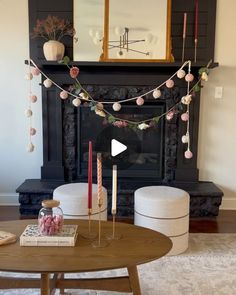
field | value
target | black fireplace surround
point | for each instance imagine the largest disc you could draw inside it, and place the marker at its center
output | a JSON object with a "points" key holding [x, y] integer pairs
{"points": [[67, 130]]}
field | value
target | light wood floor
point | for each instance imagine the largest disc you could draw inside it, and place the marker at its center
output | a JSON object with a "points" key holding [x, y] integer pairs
{"points": [[224, 223]]}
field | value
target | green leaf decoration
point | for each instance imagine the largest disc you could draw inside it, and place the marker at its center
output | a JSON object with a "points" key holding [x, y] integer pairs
{"points": [[77, 89], [202, 70], [156, 119], [77, 86], [111, 119], [85, 95], [196, 88], [64, 61]]}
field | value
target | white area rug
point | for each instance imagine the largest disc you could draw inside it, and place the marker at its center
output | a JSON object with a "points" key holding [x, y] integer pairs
{"points": [[208, 267]]}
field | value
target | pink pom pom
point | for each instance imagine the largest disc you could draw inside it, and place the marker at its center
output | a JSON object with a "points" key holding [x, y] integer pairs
{"points": [[63, 94], [139, 101], [170, 83], [33, 98], [170, 115], [32, 131], [189, 78], [185, 117], [35, 71], [188, 154]]}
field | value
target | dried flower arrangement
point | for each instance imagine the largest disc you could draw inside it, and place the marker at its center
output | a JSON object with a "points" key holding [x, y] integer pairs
{"points": [[53, 28]]}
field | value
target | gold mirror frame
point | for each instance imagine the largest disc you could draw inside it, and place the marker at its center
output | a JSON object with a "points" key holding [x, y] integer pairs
{"points": [[105, 54]]}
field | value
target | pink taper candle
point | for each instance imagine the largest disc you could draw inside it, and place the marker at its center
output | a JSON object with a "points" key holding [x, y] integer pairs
{"points": [[185, 25], [90, 175], [196, 21], [99, 179]]}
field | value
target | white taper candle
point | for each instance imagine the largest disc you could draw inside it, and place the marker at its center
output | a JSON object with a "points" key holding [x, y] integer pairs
{"points": [[114, 189]]}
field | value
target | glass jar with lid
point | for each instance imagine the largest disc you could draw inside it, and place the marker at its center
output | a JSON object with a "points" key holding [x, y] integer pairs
{"points": [[50, 218]]}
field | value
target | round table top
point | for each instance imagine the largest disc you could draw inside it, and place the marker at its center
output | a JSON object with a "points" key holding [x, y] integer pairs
{"points": [[138, 245]]}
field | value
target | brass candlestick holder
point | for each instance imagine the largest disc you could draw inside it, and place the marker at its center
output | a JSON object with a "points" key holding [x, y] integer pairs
{"points": [[99, 243], [89, 235], [114, 235]]}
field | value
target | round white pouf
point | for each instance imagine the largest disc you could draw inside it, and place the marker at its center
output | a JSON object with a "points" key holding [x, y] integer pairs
{"points": [[73, 199], [164, 209]]}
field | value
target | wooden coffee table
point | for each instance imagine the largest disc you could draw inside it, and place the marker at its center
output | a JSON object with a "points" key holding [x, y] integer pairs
{"points": [[137, 246]]}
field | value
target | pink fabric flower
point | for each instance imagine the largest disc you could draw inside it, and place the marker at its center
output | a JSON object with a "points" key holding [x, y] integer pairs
{"points": [[120, 124], [74, 72]]}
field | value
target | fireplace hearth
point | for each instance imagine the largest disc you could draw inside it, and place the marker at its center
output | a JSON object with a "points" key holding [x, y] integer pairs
{"points": [[67, 130]]}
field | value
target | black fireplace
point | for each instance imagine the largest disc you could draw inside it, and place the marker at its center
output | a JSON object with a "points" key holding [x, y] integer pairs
{"points": [[160, 160]]}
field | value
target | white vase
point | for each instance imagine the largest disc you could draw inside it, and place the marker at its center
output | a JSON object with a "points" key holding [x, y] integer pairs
{"points": [[53, 50]]}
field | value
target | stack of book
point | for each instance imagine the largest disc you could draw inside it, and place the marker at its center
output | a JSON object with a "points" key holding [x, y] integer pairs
{"points": [[32, 237]]}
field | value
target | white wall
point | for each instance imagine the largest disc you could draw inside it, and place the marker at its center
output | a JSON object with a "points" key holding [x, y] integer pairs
{"points": [[15, 163], [217, 144], [217, 140]]}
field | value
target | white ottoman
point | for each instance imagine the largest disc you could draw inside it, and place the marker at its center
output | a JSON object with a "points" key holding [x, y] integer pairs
{"points": [[73, 199], [164, 209]]}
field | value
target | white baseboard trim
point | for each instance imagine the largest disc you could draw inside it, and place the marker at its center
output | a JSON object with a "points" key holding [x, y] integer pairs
{"points": [[228, 204], [9, 199]]}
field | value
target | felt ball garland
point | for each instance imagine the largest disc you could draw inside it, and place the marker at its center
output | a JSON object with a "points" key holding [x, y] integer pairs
{"points": [[80, 95], [186, 100], [32, 99]]}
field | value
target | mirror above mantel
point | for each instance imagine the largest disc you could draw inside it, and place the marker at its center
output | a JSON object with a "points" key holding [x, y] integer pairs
{"points": [[113, 30]]}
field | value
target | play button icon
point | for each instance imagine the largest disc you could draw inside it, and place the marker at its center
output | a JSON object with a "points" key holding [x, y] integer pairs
{"points": [[117, 147]]}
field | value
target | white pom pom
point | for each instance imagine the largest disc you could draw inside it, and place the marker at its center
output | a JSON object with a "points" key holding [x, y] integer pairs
{"points": [[28, 113], [30, 148], [47, 83], [181, 74], [116, 106], [185, 139], [156, 93], [29, 76], [76, 102]]}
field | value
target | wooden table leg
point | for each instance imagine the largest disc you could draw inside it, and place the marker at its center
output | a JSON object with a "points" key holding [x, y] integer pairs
{"points": [[134, 280], [61, 276], [45, 284]]}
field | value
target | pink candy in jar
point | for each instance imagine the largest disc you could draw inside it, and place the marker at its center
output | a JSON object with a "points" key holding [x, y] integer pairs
{"points": [[50, 219]]}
